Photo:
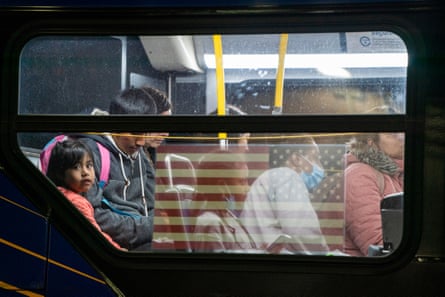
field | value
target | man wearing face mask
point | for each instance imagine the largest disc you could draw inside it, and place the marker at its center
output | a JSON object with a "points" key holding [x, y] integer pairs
{"points": [[306, 162], [278, 207]]}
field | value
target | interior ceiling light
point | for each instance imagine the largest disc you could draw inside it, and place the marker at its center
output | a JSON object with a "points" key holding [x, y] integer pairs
{"points": [[319, 61]]}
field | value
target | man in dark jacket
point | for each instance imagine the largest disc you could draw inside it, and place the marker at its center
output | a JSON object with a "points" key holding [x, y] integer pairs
{"points": [[124, 208]]}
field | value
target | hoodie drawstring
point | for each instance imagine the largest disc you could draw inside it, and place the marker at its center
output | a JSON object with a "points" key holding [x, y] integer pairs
{"points": [[127, 182], [144, 201]]}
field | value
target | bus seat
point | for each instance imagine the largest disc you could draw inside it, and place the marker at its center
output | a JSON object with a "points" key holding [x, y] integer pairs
{"points": [[171, 221], [31, 154], [391, 208], [181, 174]]}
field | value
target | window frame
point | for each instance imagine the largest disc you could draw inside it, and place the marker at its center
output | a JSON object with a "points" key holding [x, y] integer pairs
{"points": [[207, 23]]}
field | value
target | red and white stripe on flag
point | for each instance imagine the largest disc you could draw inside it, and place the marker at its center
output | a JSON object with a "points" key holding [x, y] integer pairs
{"points": [[176, 181]]}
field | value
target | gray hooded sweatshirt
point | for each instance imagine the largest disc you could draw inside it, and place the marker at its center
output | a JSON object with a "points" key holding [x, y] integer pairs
{"points": [[127, 211]]}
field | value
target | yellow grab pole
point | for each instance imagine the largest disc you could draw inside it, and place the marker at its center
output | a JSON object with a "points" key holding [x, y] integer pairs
{"points": [[278, 105], [220, 87]]}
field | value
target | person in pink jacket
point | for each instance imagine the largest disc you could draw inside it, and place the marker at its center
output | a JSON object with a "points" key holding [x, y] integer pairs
{"points": [[374, 169], [71, 169]]}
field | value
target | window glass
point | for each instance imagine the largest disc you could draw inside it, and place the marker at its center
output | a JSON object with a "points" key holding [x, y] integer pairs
{"points": [[239, 192], [265, 193], [292, 74], [280, 193]]}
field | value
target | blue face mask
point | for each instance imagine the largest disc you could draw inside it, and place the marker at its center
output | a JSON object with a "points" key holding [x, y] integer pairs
{"points": [[311, 180], [231, 205]]}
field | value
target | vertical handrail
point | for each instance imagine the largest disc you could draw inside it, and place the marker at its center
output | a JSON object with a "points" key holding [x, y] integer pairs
{"points": [[220, 87], [278, 105]]}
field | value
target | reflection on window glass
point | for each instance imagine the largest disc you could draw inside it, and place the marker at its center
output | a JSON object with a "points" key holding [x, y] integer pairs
{"points": [[320, 73], [319, 194], [294, 193]]}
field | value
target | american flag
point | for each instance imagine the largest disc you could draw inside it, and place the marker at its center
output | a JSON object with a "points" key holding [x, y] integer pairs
{"points": [[176, 184]]}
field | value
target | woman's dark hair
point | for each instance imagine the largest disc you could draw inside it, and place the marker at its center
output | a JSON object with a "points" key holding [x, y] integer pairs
{"points": [[138, 101], [160, 99], [65, 155]]}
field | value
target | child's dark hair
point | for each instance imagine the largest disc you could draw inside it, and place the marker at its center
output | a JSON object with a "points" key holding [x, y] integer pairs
{"points": [[64, 156]]}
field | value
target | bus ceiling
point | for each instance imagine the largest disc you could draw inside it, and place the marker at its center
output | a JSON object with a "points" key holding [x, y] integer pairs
{"points": [[257, 56]]}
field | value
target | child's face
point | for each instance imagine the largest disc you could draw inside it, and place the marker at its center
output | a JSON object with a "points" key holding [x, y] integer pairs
{"points": [[80, 178]]}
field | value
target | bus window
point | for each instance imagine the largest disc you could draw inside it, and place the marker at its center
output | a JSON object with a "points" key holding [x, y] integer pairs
{"points": [[267, 189], [324, 73]]}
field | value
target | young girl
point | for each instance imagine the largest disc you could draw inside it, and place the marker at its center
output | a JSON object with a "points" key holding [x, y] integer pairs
{"points": [[71, 169]]}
